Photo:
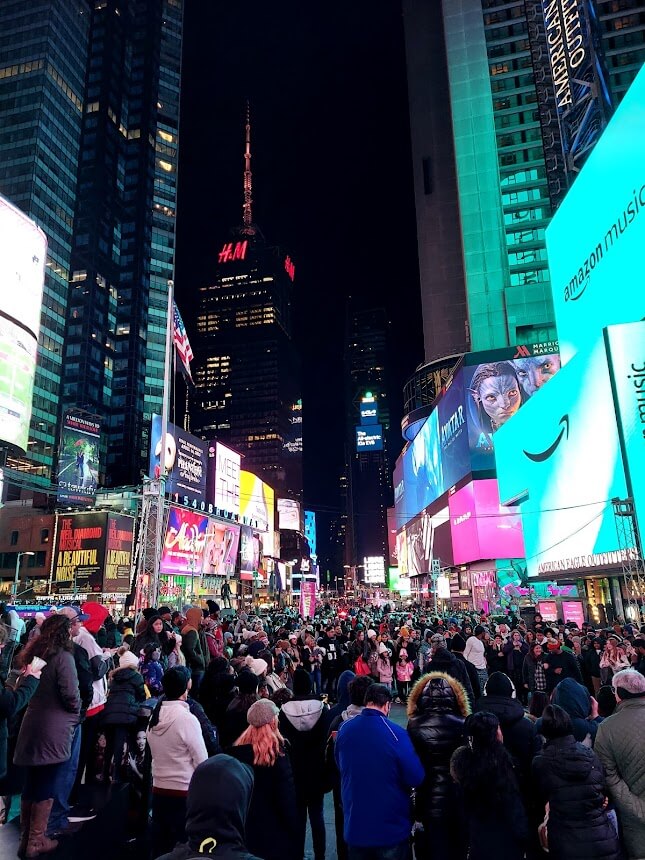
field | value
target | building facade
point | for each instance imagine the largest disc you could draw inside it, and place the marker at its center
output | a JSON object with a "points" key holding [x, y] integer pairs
{"points": [[89, 113], [368, 444], [246, 369], [505, 125]]}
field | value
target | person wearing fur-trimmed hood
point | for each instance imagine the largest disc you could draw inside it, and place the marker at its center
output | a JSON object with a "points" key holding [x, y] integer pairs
{"points": [[437, 708]]}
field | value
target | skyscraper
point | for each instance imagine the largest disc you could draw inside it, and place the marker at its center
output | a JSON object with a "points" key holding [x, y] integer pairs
{"points": [[43, 56], [246, 369], [89, 113], [521, 125], [367, 446]]}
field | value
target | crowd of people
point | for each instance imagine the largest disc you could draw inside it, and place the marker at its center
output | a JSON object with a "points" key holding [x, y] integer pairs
{"points": [[229, 730]]}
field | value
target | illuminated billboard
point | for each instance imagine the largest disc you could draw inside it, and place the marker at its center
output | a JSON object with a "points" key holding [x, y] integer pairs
{"points": [[422, 469], [224, 477], [250, 551], [220, 548], [627, 356], [185, 461], [289, 515], [482, 528], [369, 410], [596, 239], [426, 537], [310, 531], [23, 251], [93, 553], [369, 438], [374, 570], [560, 457], [184, 542], [495, 391], [257, 505], [78, 460], [453, 432]]}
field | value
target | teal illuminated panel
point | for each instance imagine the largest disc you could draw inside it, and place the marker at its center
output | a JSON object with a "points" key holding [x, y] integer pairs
{"points": [[596, 240], [627, 354], [560, 457]]}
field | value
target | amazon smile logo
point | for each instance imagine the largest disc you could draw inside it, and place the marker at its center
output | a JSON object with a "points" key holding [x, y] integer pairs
{"points": [[541, 456]]}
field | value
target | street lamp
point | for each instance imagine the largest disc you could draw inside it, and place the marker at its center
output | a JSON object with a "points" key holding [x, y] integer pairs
{"points": [[14, 589]]}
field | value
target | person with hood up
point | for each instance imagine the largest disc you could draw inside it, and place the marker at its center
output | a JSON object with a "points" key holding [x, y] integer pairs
{"points": [[194, 646], [234, 721], [304, 722], [437, 708], [581, 707], [441, 660], [217, 806], [570, 778], [342, 691], [217, 690], [126, 690], [272, 829], [100, 663], [357, 689], [177, 748], [519, 732], [496, 821], [457, 648]]}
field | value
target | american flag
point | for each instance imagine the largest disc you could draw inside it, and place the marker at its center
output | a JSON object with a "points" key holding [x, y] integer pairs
{"points": [[180, 339]]}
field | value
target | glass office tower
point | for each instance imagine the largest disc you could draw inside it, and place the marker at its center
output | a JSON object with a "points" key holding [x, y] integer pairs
{"points": [[43, 56], [89, 120], [505, 136]]}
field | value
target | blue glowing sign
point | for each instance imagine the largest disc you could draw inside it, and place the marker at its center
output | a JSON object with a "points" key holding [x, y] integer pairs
{"points": [[369, 438]]}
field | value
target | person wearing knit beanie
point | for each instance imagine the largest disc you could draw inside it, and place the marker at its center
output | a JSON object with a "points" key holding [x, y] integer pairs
{"points": [[499, 684], [301, 682], [261, 713], [247, 682], [256, 665]]}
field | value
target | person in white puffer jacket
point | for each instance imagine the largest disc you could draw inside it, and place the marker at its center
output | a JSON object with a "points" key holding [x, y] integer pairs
{"points": [[177, 747]]}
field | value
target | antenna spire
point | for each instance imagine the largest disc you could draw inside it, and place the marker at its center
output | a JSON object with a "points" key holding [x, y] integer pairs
{"points": [[247, 215]]}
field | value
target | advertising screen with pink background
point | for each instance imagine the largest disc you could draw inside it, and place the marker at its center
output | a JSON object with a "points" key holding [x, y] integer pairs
{"points": [[481, 527]]}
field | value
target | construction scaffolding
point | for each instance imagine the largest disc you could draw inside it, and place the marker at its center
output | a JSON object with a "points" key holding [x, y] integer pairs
{"points": [[630, 548], [149, 546]]}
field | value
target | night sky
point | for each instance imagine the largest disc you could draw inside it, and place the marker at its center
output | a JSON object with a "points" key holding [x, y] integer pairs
{"points": [[331, 180]]}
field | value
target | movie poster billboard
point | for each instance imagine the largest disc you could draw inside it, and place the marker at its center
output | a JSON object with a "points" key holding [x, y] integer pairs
{"points": [[185, 462], [453, 432], [427, 537], [494, 392], [184, 542], [23, 252], [78, 459], [79, 553], [119, 542], [422, 468], [220, 550]]}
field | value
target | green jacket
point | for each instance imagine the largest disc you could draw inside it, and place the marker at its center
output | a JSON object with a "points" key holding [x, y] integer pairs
{"points": [[619, 745]]}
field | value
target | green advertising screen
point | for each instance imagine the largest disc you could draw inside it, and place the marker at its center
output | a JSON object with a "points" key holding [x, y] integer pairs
{"points": [[560, 457], [596, 240]]}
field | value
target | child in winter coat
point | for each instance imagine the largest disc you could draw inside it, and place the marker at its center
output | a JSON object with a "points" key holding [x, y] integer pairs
{"points": [[176, 656], [384, 666], [151, 668], [404, 671], [125, 692]]}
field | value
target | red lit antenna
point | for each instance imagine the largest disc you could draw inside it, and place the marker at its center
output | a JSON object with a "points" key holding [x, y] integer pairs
{"points": [[247, 216]]}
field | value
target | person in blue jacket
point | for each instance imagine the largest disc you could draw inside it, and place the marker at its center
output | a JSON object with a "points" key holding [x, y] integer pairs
{"points": [[372, 751]]}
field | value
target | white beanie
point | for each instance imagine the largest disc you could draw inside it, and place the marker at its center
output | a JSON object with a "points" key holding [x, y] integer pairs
{"points": [[371, 634], [257, 665], [128, 660]]}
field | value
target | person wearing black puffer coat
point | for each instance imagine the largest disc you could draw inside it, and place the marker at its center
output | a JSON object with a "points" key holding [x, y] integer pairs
{"points": [[125, 693], [519, 732], [437, 708], [570, 778]]}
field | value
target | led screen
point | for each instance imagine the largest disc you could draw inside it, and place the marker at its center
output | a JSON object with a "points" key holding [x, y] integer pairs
{"points": [[257, 502], [23, 251], [220, 549], [596, 239], [495, 391], [310, 531], [627, 351], [369, 438], [185, 461], [289, 515], [369, 412], [422, 471], [481, 527], [249, 550], [453, 432], [78, 460], [17, 370], [224, 478], [426, 537], [183, 549], [561, 453]]}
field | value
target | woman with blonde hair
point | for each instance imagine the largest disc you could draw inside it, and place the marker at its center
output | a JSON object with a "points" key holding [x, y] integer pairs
{"points": [[271, 824]]}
